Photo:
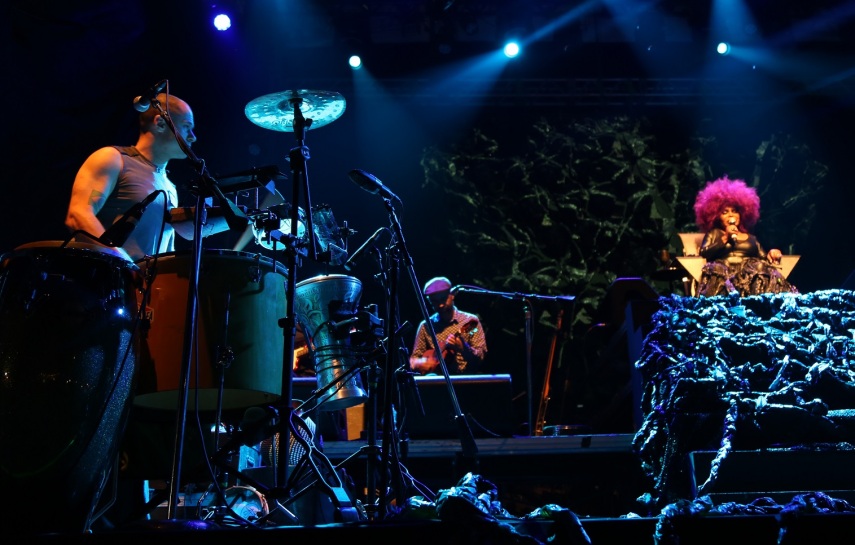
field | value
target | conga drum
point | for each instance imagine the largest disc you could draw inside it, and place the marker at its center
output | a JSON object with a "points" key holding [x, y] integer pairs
{"points": [[239, 343], [67, 323]]}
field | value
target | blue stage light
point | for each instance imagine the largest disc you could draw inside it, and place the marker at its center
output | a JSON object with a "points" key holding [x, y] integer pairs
{"points": [[511, 49], [222, 22]]}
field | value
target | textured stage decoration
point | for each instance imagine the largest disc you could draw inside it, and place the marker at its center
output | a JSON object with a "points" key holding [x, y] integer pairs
{"points": [[729, 374]]}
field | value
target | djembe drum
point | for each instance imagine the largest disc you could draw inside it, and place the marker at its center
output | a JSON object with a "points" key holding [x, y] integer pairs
{"points": [[324, 307]]}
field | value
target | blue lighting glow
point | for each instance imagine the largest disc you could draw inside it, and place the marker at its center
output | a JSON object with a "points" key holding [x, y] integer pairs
{"points": [[222, 22], [511, 49], [355, 62], [723, 48]]}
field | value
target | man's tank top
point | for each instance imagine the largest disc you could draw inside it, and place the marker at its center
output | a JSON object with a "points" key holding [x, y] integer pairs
{"points": [[137, 180]]}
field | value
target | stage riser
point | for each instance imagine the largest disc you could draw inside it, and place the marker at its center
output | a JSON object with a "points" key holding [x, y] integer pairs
{"points": [[591, 475], [779, 474]]}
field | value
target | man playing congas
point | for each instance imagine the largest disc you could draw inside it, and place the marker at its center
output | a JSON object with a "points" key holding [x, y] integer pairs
{"points": [[114, 179]]}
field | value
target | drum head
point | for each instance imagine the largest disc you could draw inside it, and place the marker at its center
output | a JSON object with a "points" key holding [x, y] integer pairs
{"points": [[98, 249], [329, 278]]}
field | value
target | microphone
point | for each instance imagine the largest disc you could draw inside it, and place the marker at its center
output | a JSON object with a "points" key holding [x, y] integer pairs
{"points": [[118, 233], [455, 289], [143, 102], [361, 250], [343, 328], [732, 221], [371, 184]]}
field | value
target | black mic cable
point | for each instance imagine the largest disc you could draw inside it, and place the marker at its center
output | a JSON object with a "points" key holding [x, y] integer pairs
{"points": [[118, 233]]}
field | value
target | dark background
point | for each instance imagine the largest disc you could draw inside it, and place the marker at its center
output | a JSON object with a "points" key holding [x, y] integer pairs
{"points": [[446, 135]]}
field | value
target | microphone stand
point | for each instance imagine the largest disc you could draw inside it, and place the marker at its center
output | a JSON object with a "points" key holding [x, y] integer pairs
{"points": [[526, 298], [235, 219], [467, 440], [387, 442], [373, 452]]}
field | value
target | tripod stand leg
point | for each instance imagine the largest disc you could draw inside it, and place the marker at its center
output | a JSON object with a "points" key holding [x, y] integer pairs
{"points": [[326, 474], [312, 471]]}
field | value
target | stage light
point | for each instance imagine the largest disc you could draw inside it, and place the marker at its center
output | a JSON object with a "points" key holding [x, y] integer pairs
{"points": [[222, 22], [723, 48], [511, 49], [355, 62]]}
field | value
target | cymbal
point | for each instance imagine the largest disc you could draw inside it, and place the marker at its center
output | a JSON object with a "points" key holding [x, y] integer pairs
{"points": [[276, 111]]}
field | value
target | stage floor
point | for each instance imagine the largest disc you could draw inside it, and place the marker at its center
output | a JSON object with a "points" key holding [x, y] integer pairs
{"points": [[757, 530], [594, 480]]}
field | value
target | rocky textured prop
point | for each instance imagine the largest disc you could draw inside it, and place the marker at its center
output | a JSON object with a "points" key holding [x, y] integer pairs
{"points": [[728, 373]]}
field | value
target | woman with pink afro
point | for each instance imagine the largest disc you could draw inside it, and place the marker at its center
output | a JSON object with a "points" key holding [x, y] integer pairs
{"points": [[726, 210]]}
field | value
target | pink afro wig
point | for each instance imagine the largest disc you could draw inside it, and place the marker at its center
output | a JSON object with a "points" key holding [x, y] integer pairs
{"points": [[717, 194]]}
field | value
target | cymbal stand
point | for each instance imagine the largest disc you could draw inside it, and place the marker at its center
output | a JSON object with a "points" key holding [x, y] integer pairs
{"points": [[282, 489], [236, 219]]}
